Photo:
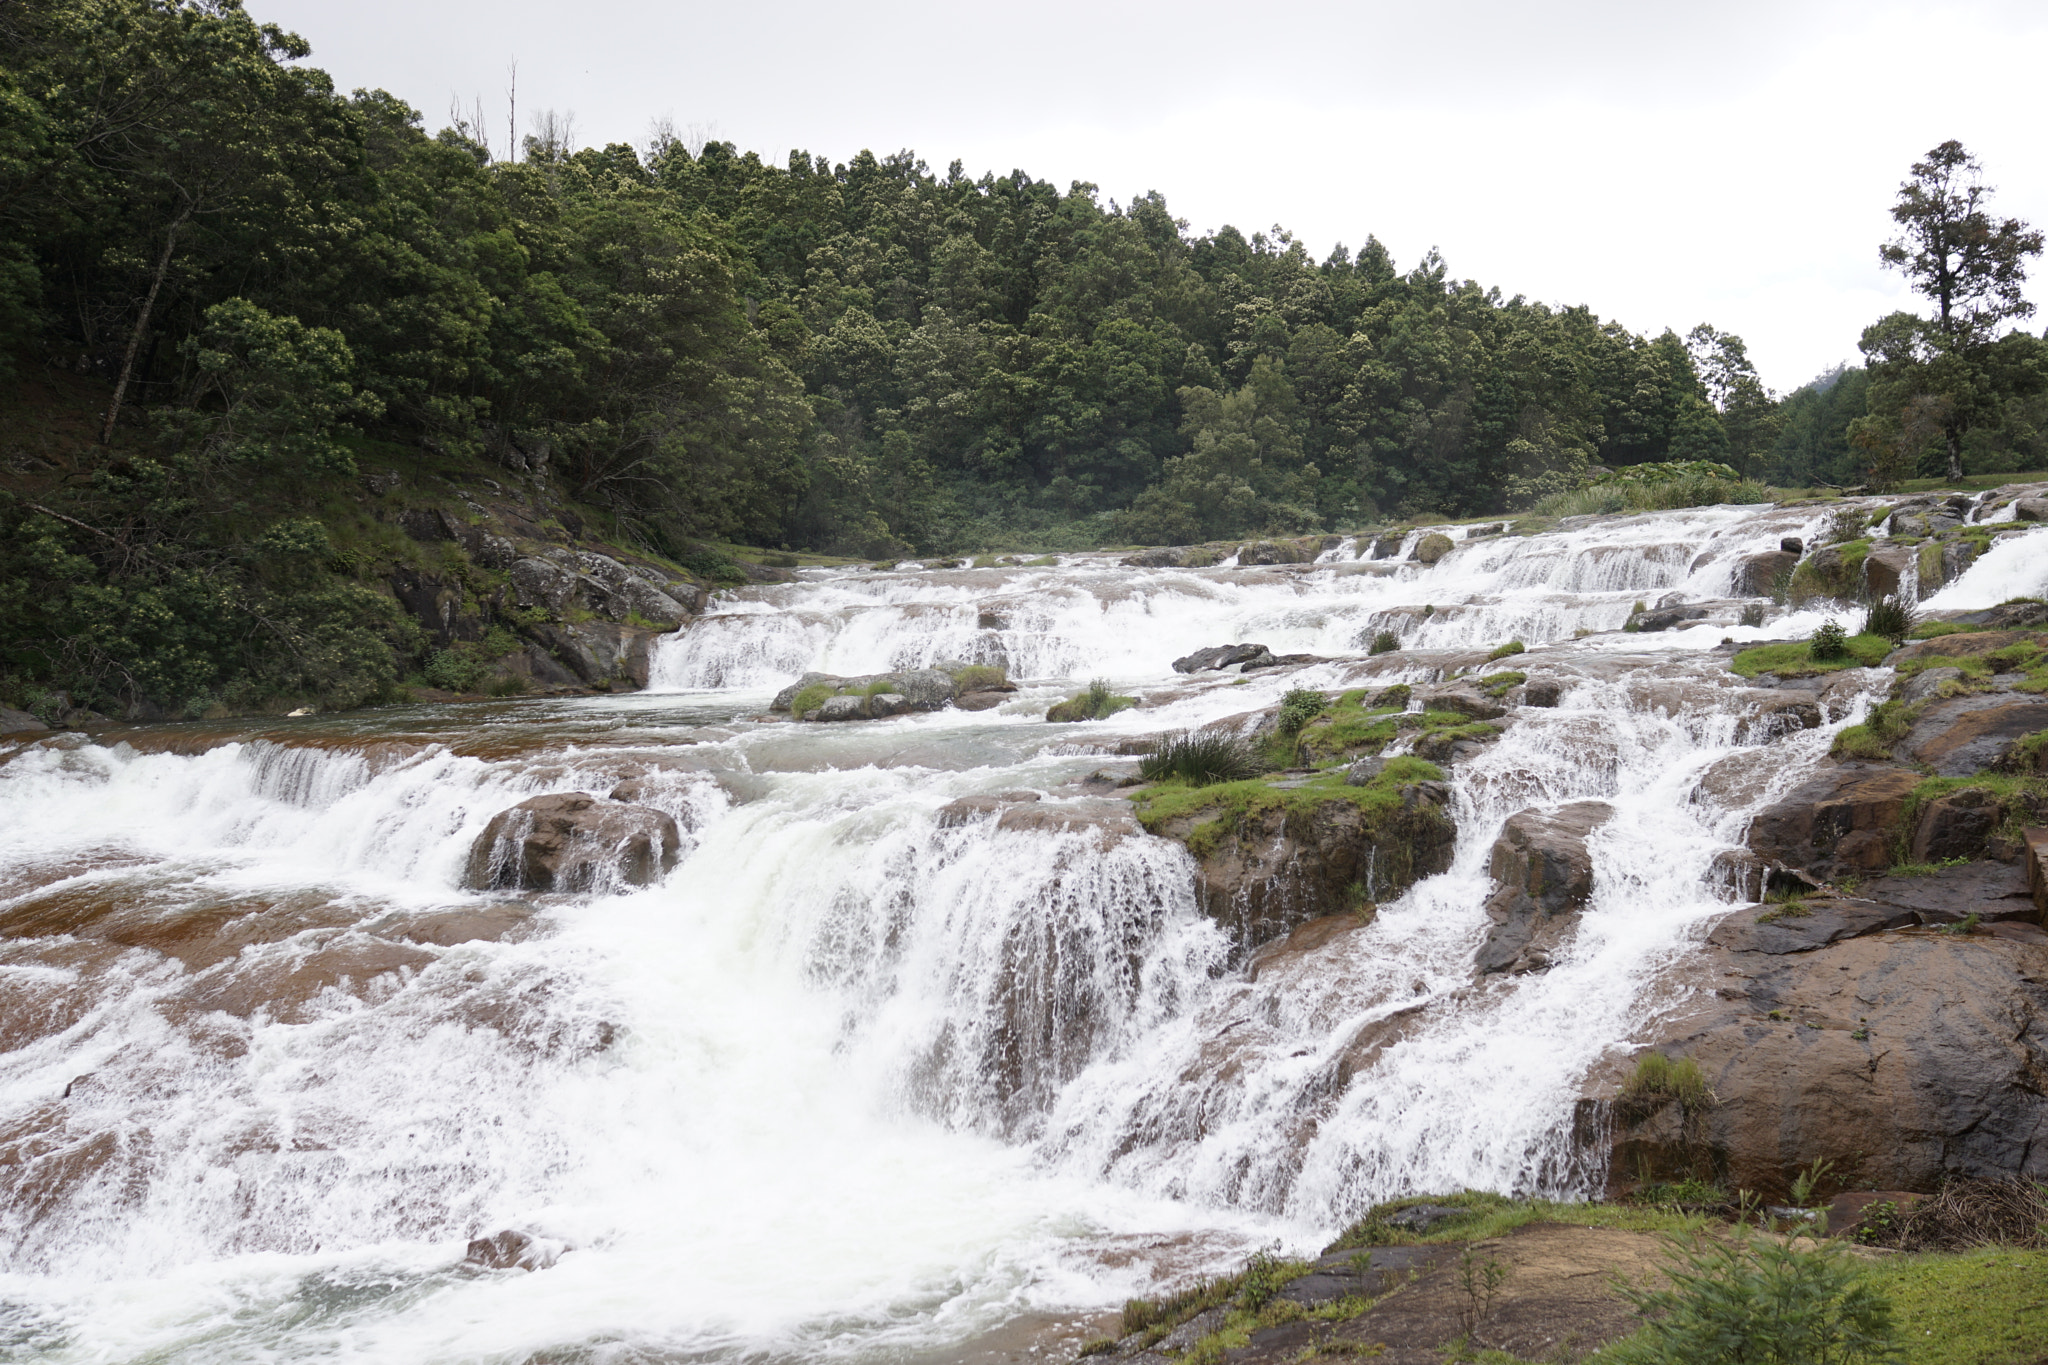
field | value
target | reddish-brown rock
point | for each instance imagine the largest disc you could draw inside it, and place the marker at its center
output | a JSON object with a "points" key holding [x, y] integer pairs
{"points": [[572, 841], [1545, 875], [1842, 819]]}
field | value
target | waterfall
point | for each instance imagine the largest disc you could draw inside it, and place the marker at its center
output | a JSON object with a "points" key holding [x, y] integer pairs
{"points": [[853, 1080]]}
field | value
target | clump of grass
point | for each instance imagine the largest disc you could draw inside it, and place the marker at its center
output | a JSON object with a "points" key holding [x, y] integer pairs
{"points": [[1891, 617], [1499, 684], [1094, 704], [1847, 524], [1200, 760], [1658, 1077], [1298, 708], [809, 700], [1828, 643], [1385, 642], [1503, 651]]}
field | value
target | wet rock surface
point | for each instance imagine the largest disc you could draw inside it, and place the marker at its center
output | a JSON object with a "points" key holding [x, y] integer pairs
{"points": [[1545, 876], [572, 842]]}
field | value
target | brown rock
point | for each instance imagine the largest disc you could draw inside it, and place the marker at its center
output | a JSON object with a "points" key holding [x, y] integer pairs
{"points": [[1545, 875], [1838, 820], [2036, 856], [1955, 826], [1968, 645], [466, 924], [1432, 547], [1900, 1056], [980, 701], [1756, 575], [1959, 736], [514, 1250], [1884, 567], [572, 842], [20, 723]]}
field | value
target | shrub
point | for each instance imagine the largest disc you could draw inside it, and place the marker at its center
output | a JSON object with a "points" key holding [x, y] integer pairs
{"points": [[1298, 708], [1385, 642], [454, 670], [1892, 617], [1755, 1300], [1094, 704], [1200, 760], [1511, 647], [1829, 642]]}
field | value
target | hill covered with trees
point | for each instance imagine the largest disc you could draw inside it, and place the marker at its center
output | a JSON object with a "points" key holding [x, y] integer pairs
{"points": [[264, 283]]}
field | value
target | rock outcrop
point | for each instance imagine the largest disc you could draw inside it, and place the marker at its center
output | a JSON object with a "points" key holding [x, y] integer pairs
{"points": [[1867, 1032], [572, 842], [1546, 877], [1221, 656]]}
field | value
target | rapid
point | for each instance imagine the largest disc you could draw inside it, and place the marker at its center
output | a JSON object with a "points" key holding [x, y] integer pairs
{"points": [[848, 1083]]}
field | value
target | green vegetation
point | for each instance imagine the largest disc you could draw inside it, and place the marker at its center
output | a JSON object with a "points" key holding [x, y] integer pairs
{"points": [[1385, 642], [1495, 1215], [1504, 651], [1298, 708], [1657, 1077], [979, 677], [1226, 803], [1095, 703], [1891, 617], [1887, 724], [1981, 1307], [1500, 684], [810, 699], [1931, 630], [1657, 487], [1200, 760], [1796, 660], [1828, 643], [1756, 1299]]}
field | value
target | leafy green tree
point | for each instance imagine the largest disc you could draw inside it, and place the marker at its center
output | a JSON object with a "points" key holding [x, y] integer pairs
{"points": [[1933, 375]]}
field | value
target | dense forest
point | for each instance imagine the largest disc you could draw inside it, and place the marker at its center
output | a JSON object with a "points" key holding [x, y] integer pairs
{"points": [[270, 281]]}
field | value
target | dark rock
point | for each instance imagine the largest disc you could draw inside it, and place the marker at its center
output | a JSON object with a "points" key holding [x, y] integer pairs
{"points": [[20, 723], [1280, 661], [1363, 771], [426, 524], [1838, 820], [1806, 925], [1756, 575], [537, 583], [513, 1250], [1954, 826], [1219, 656], [1992, 891], [1959, 736], [2030, 509], [381, 482], [1542, 692], [1545, 875], [1422, 1219], [918, 689], [572, 842], [1669, 618], [1271, 552], [884, 704], [1884, 568], [2035, 855], [1904, 1057], [1272, 869], [980, 701], [1161, 557], [1792, 545], [1465, 701], [1386, 547]]}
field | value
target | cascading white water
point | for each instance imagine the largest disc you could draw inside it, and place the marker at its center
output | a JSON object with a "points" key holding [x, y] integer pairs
{"points": [[846, 1083]]}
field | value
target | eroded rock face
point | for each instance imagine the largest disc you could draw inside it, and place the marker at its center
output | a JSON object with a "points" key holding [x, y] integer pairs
{"points": [[1757, 575], [1900, 1053], [571, 842], [1958, 736], [1546, 876], [1274, 869], [1838, 821]]}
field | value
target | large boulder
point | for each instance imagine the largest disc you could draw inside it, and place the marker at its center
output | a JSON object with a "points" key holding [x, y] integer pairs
{"points": [[1849, 1034], [1262, 873], [2030, 509], [909, 689], [1432, 547], [1758, 574], [572, 841], [1839, 821], [1272, 552], [1959, 736], [1885, 567], [1220, 656], [1545, 877], [20, 723]]}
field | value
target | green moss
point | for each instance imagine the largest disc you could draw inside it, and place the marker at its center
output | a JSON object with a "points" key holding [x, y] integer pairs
{"points": [[1503, 651], [1887, 724], [1498, 684], [2017, 795], [1232, 801], [1794, 660], [1930, 630]]}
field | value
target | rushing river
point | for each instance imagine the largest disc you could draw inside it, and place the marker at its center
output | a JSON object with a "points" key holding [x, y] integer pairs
{"points": [[846, 1084]]}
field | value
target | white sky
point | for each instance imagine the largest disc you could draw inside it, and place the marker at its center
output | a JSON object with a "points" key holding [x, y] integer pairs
{"points": [[1666, 164]]}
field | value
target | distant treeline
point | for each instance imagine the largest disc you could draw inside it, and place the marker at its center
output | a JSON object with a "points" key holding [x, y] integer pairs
{"points": [[861, 358]]}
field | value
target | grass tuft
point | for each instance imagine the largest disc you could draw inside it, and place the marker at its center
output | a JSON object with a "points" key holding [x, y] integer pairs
{"points": [[1200, 760]]}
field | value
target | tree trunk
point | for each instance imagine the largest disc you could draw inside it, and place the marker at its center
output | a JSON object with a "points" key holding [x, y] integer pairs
{"points": [[1955, 452], [156, 282]]}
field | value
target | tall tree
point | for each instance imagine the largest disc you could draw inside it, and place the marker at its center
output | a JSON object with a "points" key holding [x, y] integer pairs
{"points": [[1972, 266]]}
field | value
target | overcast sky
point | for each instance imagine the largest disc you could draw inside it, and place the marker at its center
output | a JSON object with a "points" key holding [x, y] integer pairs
{"points": [[1666, 164]]}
